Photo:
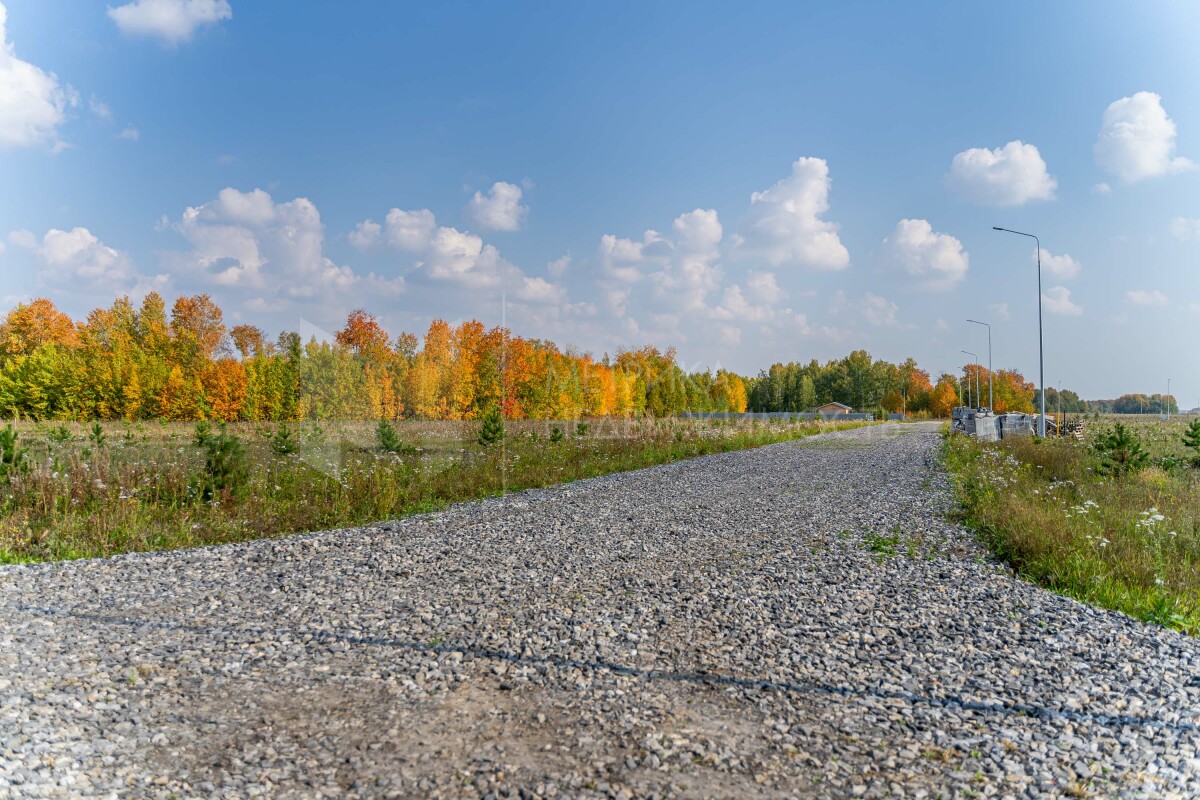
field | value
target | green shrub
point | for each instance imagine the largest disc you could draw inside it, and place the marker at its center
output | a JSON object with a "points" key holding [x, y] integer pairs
{"points": [[283, 440], [226, 467], [12, 456], [60, 434], [97, 435], [581, 429], [492, 431], [387, 438], [556, 434], [203, 433], [1191, 438], [1120, 452]]}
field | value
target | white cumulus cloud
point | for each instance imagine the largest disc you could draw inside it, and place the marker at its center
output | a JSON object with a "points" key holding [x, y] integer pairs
{"points": [[1137, 139], [937, 260], [1144, 297], [784, 225], [1057, 300], [76, 260], [755, 300], [559, 266], [499, 210], [445, 254], [683, 268], [622, 259], [172, 21], [365, 235], [410, 230], [693, 269], [78, 256], [247, 240], [1062, 267], [33, 104], [1007, 176]]}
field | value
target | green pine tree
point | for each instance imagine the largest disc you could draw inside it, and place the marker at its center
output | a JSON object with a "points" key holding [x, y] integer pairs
{"points": [[1191, 438], [492, 431], [12, 456], [226, 467], [1120, 452], [387, 438]]}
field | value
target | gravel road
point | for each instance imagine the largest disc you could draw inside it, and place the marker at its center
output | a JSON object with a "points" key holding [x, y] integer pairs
{"points": [[796, 620]]}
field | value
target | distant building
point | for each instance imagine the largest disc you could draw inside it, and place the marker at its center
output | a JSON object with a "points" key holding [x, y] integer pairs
{"points": [[834, 408]]}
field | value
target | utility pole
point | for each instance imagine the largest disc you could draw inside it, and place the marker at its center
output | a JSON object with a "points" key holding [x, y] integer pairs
{"points": [[991, 407], [1041, 349], [977, 398]]}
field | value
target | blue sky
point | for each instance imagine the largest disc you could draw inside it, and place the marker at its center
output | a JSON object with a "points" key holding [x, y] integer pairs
{"points": [[750, 184]]}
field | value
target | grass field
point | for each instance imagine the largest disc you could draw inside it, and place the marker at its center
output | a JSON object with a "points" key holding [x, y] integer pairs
{"points": [[81, 493], [1130, 543]]}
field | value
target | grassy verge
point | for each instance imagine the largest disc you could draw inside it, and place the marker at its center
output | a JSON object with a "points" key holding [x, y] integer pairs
{"points": [[1130, 544], [142, 487]]}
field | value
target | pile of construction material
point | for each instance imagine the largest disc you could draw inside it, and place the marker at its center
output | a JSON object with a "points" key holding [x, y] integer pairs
{"points": [[989, 427]]}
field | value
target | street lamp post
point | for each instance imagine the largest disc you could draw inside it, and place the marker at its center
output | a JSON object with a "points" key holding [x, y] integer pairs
{"points": [[989, 327], [1168, 399], [972, 355], [1041, 359]]}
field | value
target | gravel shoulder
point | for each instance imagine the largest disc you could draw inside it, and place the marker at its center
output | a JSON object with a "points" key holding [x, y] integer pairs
{"points": [[796, 620]]}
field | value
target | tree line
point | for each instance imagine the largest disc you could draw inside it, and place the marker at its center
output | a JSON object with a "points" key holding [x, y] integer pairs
{"points": [[143, 362], [1135, 403], [870, 384]]}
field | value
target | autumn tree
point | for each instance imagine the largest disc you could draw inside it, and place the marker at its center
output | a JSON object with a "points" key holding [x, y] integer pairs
{"points": [[364, 336], [28, 327], [1012, 392], [943, 397], [248, 340], [197, 332]]}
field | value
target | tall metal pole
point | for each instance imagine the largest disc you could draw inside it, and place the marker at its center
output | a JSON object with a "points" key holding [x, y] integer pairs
{"points": [[976, 376], [991, 406], [1168, 399], [1041, 351]]}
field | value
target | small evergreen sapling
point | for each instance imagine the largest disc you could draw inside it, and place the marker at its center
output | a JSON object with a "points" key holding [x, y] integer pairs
{"points": [[283, 440], [556, 434], [12, 457], [1120, 452], [492, 431], [203, 433], [226, 466], [387, 438], [1191, 438]]}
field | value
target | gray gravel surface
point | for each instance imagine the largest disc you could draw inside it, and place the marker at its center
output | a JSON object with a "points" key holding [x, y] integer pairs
{"points": [[796, 620]]}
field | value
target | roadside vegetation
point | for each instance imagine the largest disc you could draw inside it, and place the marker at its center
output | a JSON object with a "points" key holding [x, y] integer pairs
{"points": [[79, 491], [1113, 520]]}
